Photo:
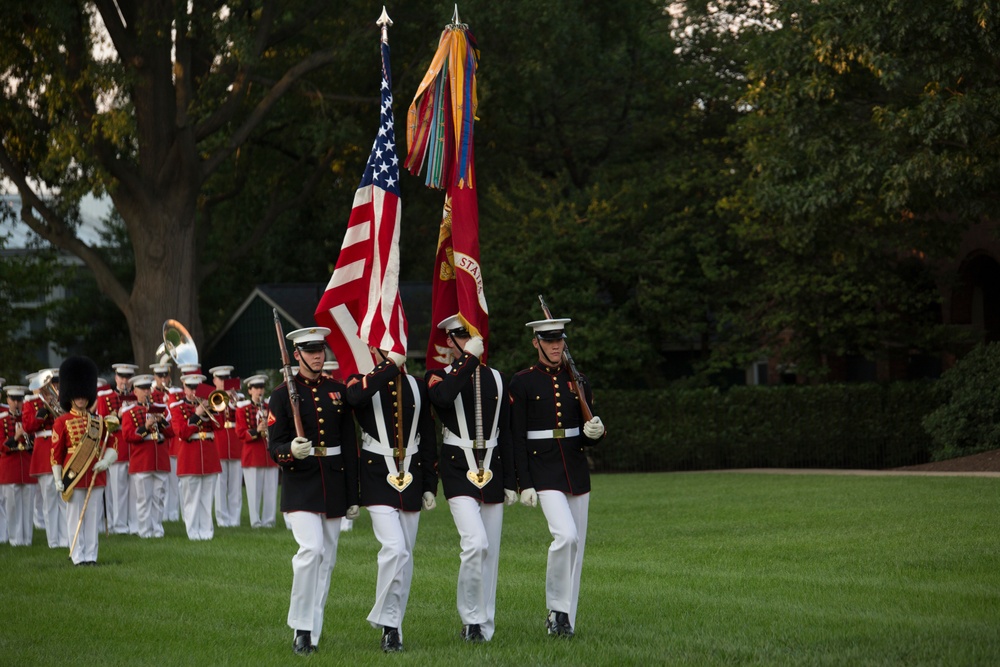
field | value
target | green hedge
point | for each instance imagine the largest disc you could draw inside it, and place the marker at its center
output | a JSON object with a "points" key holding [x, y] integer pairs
{"points": [[827, 426]]}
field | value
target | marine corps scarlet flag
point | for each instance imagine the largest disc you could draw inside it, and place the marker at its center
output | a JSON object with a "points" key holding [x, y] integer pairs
{"points": [[439, 137], [361, 304]]}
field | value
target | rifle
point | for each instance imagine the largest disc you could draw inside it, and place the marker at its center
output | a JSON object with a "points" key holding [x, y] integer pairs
{"points": [[585, 410], [286, 369]]}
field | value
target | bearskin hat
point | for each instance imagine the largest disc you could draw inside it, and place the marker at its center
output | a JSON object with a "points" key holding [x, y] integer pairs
{"points": [[77, 379]]}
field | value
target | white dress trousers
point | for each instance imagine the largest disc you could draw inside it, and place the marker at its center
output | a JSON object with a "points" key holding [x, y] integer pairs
{"points": [[53, 513], [117, 492], [312, 565], [86, 543], [567, 519], [197, 492], [479, 526], [229, 494], [38, 511], [396, 531], [20, 502], [150, 501], [172, 512], [262, 495]]}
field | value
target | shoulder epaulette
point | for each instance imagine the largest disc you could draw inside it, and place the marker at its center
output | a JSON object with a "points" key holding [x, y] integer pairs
{"points": [[243, 404], [105, 392]]}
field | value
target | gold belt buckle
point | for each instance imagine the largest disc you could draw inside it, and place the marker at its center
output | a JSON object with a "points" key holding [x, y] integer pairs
{"points": [[558, 433], [320, 451], [201, 435]]}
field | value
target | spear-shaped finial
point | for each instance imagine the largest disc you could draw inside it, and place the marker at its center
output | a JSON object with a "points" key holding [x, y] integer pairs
{"points": [[384, 21], [455, 21]]}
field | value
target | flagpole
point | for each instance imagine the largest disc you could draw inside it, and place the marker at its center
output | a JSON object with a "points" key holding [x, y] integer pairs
{"points": [[384, 22]]}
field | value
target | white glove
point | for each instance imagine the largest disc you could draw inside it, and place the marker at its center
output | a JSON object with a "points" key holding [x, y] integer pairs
{"points": [[352, 513], [57, 473], [594, 429], [429, 502], [110, 456], [529, 498], [509, 497], [475, 347], [397, 358], [300, 447]]}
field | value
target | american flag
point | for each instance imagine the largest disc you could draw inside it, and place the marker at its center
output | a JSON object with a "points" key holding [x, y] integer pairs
{"points": [[361, 304]]}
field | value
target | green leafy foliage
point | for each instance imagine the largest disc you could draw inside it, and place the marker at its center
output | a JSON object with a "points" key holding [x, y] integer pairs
{"points": [[968, 419], [825, 426]]}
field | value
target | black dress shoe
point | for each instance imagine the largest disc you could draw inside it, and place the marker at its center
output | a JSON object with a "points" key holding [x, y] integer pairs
{"points": [[302, 645], [557, 624], [473, 633], [391, 643]]}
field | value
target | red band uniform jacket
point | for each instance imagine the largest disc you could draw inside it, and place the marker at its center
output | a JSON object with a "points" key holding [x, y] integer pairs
{"points": [[66, 432], [372, 395], [38, 420], [255, 454], [327, 484], [444, 386], [150, 449], [545, 399], [110, 402], [15, 455], [196, 453]]}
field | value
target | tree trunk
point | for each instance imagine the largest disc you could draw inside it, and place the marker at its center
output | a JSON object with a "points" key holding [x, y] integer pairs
{"points": [[164, 245]]}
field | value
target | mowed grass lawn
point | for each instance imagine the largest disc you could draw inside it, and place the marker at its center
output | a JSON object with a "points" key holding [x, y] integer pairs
{"points": [[681, 569]]}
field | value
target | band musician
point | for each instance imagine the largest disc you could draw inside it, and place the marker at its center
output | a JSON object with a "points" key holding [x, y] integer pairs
{"points": [[260, 472], [229, 491], [39, 415], [80, 456], [148, 432], [17, 486], [198, 464]]}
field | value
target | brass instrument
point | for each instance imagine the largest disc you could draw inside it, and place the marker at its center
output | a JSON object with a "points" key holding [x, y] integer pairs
{"points": [[262, 412], [177, 342], [218, 400], [41, 385]]}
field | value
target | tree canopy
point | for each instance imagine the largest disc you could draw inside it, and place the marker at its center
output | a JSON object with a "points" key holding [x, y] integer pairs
{"points": [[699, 183]]}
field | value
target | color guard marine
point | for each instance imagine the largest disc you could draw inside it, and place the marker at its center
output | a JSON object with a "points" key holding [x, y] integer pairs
{"points": [[319, 484], [398, 477], [476, 466], [550, 439]]}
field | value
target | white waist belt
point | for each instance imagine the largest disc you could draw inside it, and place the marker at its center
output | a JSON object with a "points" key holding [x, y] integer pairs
{"points": [[370, 444], [325, 451], [453, 439], [554, 433], [43, 434], [201, 436]]}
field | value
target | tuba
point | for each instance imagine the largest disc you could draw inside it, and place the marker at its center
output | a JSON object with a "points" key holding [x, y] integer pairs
{"points": [[41, 384], [177, 343]]}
